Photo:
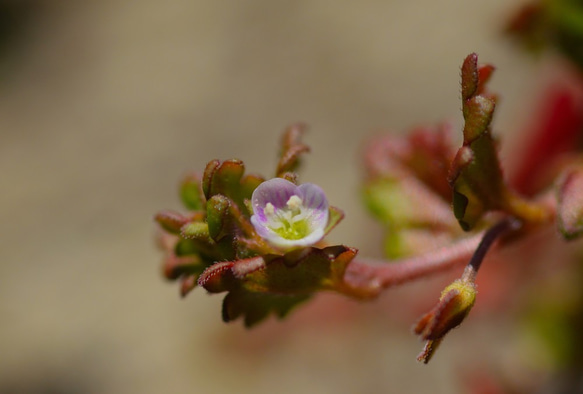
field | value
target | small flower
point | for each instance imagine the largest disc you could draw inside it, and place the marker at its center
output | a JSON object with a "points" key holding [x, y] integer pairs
{"points": [[289, 216]]}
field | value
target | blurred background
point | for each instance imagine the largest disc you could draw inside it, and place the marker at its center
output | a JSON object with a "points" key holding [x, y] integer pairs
{"points": [[105, 105]]}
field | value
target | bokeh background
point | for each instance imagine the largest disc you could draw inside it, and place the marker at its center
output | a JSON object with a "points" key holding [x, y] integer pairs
{"points": [[105, 105]]}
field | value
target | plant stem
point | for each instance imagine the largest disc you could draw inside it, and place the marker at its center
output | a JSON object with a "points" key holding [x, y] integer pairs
{"points": [[366, 278], [491, 235]]}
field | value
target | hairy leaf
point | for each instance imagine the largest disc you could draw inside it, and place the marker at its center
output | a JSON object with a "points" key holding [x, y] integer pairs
{"points": [[191, 193], [475, 174], [291, 149], [263, 285]]}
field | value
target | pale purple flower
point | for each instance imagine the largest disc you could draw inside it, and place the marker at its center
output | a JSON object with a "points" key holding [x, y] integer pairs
{"points": [[289, 216]]}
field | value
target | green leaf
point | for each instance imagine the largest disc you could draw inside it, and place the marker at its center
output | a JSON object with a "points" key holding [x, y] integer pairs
{"points": [[204, 250], [171, 221], [335, 216], [255, 307], [478, 112], [185, 247], [191, 193], [475, 174], [411, 241], [232, 231], [217, 216], [248, 184], [389, 202], [300, 271], [226, 179], [405, 207], [272, 284], [208, 176], [195, 230], [477, 181], [224, 217]]}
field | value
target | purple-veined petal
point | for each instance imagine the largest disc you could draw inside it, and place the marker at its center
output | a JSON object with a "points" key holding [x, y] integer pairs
{"points": [[276, 191], [289, 216], [314, 198]]}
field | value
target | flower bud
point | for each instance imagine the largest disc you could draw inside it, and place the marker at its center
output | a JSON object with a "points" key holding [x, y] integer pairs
{"points": [[455, 303]]}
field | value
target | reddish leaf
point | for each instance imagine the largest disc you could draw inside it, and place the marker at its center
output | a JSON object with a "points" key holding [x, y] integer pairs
{"points": [[475, 173], [171, 221], [191, 193], [263, 285], [425, 154], [291, 149]]}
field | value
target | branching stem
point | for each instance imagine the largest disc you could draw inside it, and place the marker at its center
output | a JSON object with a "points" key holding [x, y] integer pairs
{"points": [[491, 235], [366, 278]]}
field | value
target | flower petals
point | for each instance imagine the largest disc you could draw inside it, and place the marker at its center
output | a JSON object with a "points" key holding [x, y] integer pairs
{"points": [[289, 216]]}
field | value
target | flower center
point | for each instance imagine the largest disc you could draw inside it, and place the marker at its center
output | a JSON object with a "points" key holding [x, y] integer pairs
{"points": [[289, 222]]}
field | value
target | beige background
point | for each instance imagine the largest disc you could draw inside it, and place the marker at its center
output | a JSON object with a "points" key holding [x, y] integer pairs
{"points": [[104, 105]]}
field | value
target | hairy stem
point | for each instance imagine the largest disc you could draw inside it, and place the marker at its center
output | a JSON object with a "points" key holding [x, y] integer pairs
{"points": [[366, 278]]}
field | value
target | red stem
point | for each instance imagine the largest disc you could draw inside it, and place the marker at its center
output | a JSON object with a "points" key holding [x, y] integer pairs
{"points": [[366, 278]]}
